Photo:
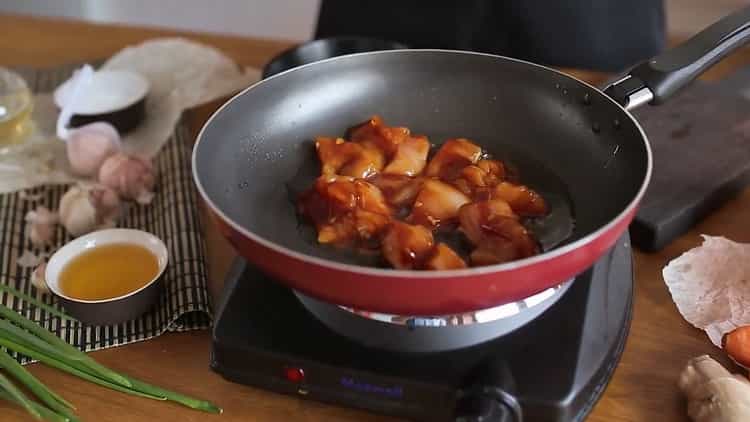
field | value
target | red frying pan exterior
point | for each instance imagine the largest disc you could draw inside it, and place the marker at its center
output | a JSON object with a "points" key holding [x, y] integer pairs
{"points": [[472, 290]]}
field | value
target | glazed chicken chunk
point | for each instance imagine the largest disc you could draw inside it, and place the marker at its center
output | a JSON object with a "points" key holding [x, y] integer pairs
{"points": [[338, 157], [375, 134], [437, 203], [443, 257], [496, 232], [478, 180], [345, 210], [452, 157], [410, 157], [378, 191], [405, 246], [399, 191], [521, 199]]}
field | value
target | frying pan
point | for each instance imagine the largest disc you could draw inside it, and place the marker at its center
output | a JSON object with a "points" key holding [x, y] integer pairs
{"points": [[579, 146]]}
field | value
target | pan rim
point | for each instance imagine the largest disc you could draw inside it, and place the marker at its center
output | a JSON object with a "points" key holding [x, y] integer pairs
{"points": [[417, 274]]}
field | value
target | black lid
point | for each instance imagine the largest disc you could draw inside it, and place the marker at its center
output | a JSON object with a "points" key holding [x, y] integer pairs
{"points": [[325, 48]]}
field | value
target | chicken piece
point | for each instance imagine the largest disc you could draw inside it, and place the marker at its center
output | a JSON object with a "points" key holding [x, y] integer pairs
{"points": [[493, 167], [333, 153], [452, 157], [405, 246], [502, 239], [370, 225], [339, 230], [474, 217], [367, 163], [370, 198], [496, 232], [399, 191], [375, 134], [360, 227], [410, 157], [437, 203], [345, 210], [476, 182], [522, 200], [347, 193], [493, 250], [347, 158], [443, 257]]}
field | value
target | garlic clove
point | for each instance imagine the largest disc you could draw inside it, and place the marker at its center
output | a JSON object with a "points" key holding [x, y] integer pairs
{"points": [[38, 278], [132, 177], [77, 213], [88, 146], [40, 228], [84, 209], [107, 204]]}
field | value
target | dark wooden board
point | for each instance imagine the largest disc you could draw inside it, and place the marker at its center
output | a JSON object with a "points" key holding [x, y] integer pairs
{"points": [[701, 147]]}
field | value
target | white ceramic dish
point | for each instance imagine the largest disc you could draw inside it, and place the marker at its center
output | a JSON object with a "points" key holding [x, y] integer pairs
{"points": [[107, 92], [117, 309], [117, 97]]}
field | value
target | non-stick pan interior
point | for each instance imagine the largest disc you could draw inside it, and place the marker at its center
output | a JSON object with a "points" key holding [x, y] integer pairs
{"points": [[568, 141]]}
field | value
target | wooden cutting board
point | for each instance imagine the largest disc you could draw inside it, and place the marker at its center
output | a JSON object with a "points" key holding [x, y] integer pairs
{"points": [[701, 147]]}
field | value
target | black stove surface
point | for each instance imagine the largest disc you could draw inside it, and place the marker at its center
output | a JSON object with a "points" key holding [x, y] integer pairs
{"points": [[556, 367]]}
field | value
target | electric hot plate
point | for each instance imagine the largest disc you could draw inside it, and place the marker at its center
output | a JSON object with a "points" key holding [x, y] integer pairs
{"points": [[552, 366]]}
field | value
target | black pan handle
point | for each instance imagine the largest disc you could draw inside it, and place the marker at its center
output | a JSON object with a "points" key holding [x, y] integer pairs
{"points": [[655, 80]]}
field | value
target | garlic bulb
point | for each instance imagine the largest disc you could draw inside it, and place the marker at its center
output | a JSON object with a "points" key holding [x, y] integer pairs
{"points": [[89, 145], [85, 209], [40, 228], [130, 176], [38, 279]]}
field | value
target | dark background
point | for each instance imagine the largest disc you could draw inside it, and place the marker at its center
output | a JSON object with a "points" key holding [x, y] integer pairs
{"points": [[607, 35]]}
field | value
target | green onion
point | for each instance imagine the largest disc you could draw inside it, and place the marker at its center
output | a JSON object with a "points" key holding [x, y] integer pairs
{"points": [[54, 340], [49, 397], [42, 345], [17, 395], [176, 397], [47, 414], [38, 303], [139, 388], [69, 368], [19, 335]]}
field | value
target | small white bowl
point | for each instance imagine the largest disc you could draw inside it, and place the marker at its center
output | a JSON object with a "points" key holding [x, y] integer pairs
{"points": [[114, 96], [117, 309]]}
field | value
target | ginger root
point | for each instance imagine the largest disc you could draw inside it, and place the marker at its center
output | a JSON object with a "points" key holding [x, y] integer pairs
{"points": [[713, 393]]}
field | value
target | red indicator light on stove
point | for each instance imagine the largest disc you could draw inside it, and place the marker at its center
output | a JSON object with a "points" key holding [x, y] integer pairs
{"points": [[294, 374]]}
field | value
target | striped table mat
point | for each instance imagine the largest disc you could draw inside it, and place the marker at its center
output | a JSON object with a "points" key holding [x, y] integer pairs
{"points": [[173, 216]]}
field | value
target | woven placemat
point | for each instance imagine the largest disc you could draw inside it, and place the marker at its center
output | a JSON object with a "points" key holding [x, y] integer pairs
{"points": [[173, 216]]}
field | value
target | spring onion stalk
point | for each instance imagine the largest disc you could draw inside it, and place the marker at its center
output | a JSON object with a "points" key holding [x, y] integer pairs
{"points": [[139, 388], [57, 342], [17, 395], [47, 396], [42, 345], [36, 302], [69, 368], [19, 335], [190, 402], [47, 414]]}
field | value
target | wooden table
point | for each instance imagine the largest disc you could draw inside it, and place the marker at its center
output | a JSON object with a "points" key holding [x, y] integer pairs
{"points": [[644, 384]]}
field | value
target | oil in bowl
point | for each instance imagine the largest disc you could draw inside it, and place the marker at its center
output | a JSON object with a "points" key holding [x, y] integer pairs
{"points": [[108, 271], [108, 276]]}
